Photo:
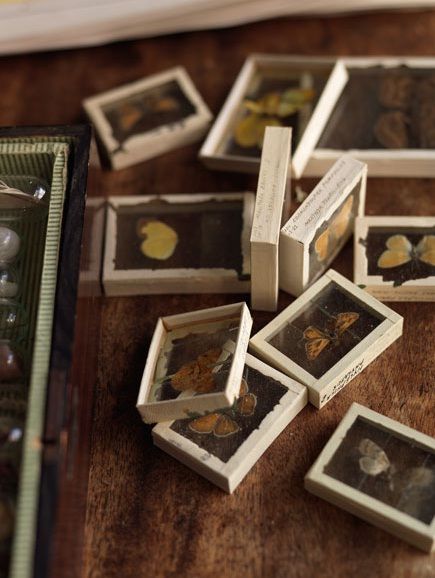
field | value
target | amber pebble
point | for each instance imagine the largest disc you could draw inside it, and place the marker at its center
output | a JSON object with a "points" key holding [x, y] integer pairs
{"points": [[391, 130], [7, 517], [11, 365]]}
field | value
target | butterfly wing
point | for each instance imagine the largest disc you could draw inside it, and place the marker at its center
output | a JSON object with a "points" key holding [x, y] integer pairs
{"points": [[243, 387], [160, 242], [204, 424], [340, 223], [426, 250], [321, 245], [225, 426], [374, 460], [344, 320], [399, 243], [399, 250], [246, 404]]}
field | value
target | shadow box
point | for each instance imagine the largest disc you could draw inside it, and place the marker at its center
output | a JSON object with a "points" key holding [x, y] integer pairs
{"points": [[195, 363], [385, 117], [224, 445], [320, 227], [178, 244], [394, 257], [328, 336], [381, 471], [43, 173], [274, 90], [143, 119]]}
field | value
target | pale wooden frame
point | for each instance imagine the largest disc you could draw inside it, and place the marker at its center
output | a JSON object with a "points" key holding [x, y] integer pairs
{"points": [[295, 244], [163, 281], [188, 402], [381, 163], [322, 389], [152, 143], [209, 152], [273, 194], [90, 279], [228, 475], [360, 504], [413, 290]]}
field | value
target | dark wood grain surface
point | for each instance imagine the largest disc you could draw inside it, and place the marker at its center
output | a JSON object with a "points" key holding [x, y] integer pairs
{"points": [[148, 515]]}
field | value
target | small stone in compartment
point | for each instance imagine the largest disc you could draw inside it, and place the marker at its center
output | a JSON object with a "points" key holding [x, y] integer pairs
{"points": [[391, 130], [11, 364], [7, 518], [396, 90], [9, 244], [8, 282]]}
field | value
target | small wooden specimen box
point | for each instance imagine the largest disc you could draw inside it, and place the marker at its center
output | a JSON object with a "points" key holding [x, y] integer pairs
{"points": [[318, 230], [178, 244], [193, 365], [279, 91], [149, 117], [223, 446], [272, 196], [381, 471], [385, 116], [395, 257], [328, 335]]}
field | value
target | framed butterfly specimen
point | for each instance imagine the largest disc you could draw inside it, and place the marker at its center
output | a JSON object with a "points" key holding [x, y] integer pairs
{"points": [[178, 244], [224, 445], [393, 130], [274, 90], [320, 227], [381, 471], [146, 118], [195, 363], [327, 336], [395, 257]]}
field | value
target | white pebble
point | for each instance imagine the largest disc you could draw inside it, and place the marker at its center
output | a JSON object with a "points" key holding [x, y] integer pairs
{"points": [[9, 244]]}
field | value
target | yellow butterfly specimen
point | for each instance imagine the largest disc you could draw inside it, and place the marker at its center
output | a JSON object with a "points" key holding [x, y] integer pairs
{"points": [[160, 239], [317, 339], [222, 425], [267, 111], [374, 460], [327, 241], [401, 251], [198, 374]]}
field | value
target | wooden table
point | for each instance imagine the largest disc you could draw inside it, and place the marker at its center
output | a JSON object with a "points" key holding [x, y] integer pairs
{"points": [[146, 514]]}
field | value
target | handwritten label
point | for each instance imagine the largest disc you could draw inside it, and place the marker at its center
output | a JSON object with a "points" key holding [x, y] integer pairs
{"points": [[315, 206], [343, 381]]}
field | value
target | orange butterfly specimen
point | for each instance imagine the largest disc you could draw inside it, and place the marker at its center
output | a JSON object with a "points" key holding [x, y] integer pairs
{"points": [[222, 425], [327, 241], [401, 251], [317, 339], [198, 374]]}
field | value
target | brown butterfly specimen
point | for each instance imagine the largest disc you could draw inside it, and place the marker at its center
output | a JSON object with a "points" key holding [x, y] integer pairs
{"points": [[328, 240], [222, 425], [391, 129], [197, 375], [317, 339], [396, 91]]}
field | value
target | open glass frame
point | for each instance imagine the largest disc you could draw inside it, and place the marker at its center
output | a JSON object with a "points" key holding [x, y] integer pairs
{"points": [[381, 471], [273, 90], [385, 116], [146, 118], [328, 335], [178, 244], [193, 365], [223, 446], [395, 257]]}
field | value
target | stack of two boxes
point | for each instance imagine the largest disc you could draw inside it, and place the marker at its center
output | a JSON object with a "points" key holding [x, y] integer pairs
{"points": [[218, 408]]}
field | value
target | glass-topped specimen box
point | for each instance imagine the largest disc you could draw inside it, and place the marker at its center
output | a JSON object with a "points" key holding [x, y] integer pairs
{"points": [[328, 336]]}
